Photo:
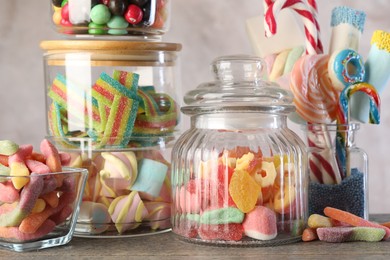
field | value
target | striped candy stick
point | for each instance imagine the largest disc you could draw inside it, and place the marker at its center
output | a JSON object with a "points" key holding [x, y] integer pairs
{"points": [[120, 122], [314, 10], [75, 101], [343, 119], [127, 79], [272, 10]]}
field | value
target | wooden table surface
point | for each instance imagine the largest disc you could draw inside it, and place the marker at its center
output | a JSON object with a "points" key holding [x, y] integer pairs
{"points": [[169, 246]]}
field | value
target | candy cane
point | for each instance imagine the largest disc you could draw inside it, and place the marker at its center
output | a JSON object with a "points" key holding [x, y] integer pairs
{"points": [[342, 140], [314, 10], [273, 9]]}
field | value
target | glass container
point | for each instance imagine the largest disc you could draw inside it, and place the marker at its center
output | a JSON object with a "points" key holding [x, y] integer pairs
{"points": [[43, 212], [337, 169], [114, 106], [239, 173], [131, 19]]}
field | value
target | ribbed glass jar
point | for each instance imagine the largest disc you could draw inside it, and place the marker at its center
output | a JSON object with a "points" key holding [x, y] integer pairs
{"points": [[238, 174]]}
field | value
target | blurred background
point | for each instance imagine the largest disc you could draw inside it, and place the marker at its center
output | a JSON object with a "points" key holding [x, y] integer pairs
{"points": [[206, 29]]}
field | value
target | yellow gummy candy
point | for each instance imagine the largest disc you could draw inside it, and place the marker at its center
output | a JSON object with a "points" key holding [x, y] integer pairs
{"points": [[19, 169], [244, 190], [243, 162]]}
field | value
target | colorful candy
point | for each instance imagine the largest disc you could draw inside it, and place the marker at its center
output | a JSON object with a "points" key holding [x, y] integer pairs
{"points": [[146, 17], [346, 67], [354, 220], [114, 113], [260, 224], [347, 234], [30, 200], [240, 190]]}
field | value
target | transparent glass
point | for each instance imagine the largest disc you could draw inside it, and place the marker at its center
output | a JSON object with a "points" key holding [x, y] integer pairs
{"points": [[337, 168], [238, 174], [133, 19], [128, 190], [58, 218], [117, 94]]}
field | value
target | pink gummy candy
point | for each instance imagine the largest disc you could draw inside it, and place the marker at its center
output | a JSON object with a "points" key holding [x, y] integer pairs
{"points": [[13, 233], [260, 223], [8, 193], [228, 232], [37, 166]]}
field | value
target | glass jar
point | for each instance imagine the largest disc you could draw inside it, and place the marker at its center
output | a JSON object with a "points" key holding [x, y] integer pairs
{"points": [[113, 105], [337, 169], [148, 19], [238, 174]]}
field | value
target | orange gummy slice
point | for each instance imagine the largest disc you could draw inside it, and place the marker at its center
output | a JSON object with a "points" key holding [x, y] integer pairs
{"points": [[244, 190]]}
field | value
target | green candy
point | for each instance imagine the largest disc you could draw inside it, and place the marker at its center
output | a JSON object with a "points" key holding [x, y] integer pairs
{"points": [[64, 3], [100, 14], [222, 216], [8, 147], [118, 25], [95, 28]]}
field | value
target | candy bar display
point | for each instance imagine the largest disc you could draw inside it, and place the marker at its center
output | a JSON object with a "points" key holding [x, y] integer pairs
{"points": [[139, 18], [239, 173], [114, 106]]}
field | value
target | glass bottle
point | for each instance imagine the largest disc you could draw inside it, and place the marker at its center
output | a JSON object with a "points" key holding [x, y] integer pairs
{"points": [[239, 173]]}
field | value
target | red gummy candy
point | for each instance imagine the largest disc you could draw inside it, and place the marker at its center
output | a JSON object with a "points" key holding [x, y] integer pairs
{"points": [[228, 232]]}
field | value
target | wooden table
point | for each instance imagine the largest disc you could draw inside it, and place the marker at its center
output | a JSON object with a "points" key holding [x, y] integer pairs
{"points": [[169, 246]]}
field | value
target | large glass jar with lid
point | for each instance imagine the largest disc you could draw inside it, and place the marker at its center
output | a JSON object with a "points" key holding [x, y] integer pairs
{"points": [[238, 174]]}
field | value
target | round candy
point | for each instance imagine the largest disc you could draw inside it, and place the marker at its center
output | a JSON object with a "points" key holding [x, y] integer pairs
{"points": [[95, 28], [134, 14], [64, 2], [117, 25], [57, 3], [346, 67], [117, 7], [138, 2], [100, 14], [65, 12]]}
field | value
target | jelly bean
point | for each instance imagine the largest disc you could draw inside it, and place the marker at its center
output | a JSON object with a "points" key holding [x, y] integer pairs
{"points": [[64, 2], [65, 12], [57, 3], [117, 7], [134, 14], [57, 17], [100, 14], [138, 2]]}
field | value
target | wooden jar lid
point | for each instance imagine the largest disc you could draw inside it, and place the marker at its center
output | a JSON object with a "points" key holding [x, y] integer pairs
{"points": [[81, 45]]}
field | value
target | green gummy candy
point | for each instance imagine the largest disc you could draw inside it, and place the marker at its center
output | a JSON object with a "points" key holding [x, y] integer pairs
{"points": [[368, 234], [222, 216], [8, 147]]}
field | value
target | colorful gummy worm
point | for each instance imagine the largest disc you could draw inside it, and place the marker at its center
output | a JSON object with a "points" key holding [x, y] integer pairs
{"points": [[111, 112]]}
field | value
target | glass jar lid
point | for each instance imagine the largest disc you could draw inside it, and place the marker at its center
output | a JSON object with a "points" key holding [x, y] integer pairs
{"points": [[239, 86]]}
